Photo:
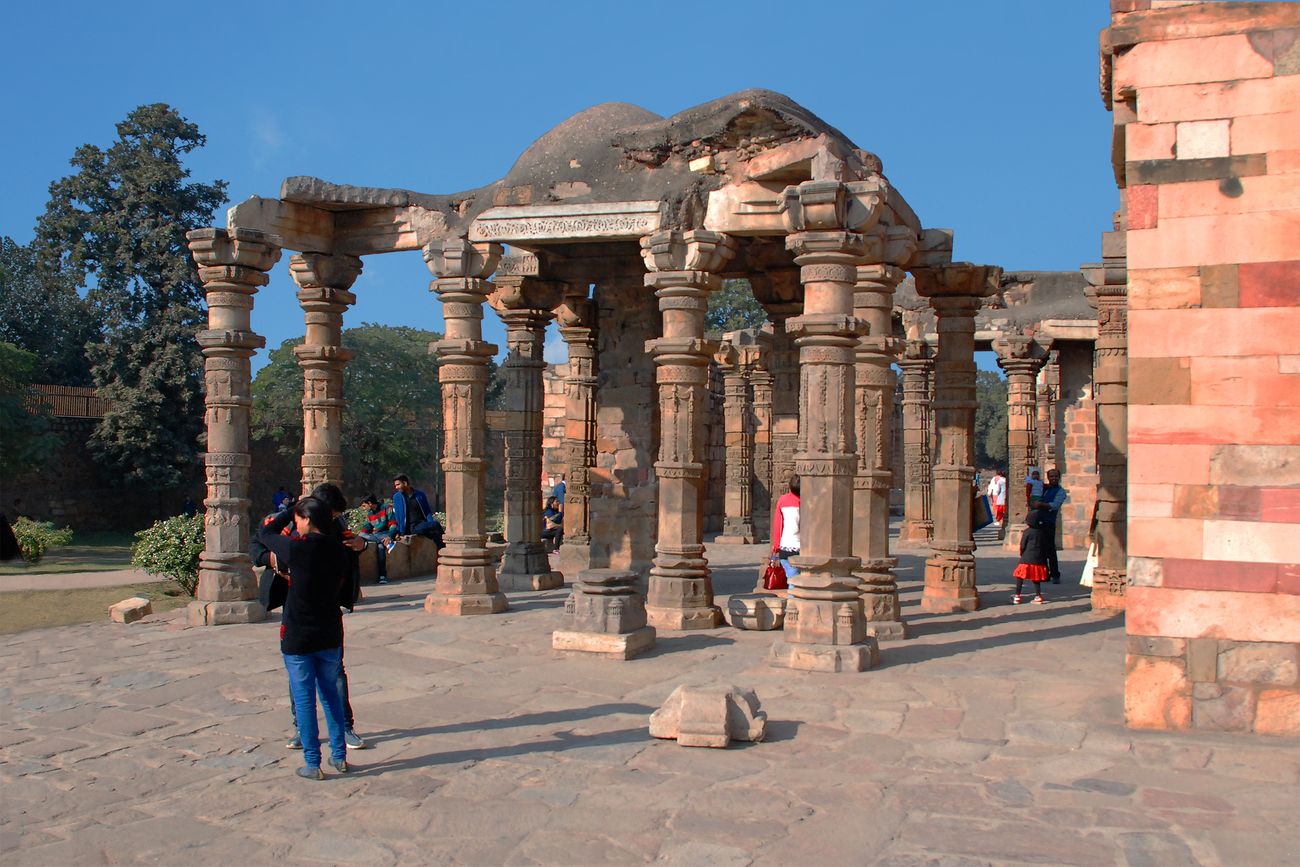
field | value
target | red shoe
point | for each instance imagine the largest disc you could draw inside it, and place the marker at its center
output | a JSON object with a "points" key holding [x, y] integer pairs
{"points": [[1038, 600], [1016, 599]]}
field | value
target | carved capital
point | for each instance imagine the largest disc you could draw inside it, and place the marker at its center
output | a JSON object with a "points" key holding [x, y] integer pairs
{"points": [[324, 270], [576, 312], [246, 248], [957, 279], [526, 293], [457, 257], [827, 206], [1019, 352], [686, 251]]}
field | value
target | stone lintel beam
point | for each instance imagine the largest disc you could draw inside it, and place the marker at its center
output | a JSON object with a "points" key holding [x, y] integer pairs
{"points": [[357, 232]]}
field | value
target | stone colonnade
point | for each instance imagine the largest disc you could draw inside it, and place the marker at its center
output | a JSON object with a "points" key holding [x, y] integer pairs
{"points": [[917, 364], [1021, 358]]}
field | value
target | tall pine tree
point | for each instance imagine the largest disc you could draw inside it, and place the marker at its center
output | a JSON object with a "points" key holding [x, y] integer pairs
{"points": [[118, 223]]}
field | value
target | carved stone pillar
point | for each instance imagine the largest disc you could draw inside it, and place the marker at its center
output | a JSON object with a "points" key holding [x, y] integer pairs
{"points": [[874, 410], [467, 581], [232, 265], [825, 628], [324, 282], [955, 292], [1110, 379], [779, 291], [1049, 389], [917, 364], [524, 305], [577, 321], [1020, 358], [733, 359], [760, 382], [681, 590]]}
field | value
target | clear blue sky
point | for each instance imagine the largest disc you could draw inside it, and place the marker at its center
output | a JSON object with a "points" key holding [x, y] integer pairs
{"points": [[985, 112]]}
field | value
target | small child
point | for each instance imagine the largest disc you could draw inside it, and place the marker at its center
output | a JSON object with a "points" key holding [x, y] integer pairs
{"points": [[1033, 559]]}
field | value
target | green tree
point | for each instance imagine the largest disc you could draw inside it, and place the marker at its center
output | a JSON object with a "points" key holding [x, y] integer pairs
{"points": [[393, 409], [118, 225], [26, 441], [990, 420], [734, 307], [41, 312]]}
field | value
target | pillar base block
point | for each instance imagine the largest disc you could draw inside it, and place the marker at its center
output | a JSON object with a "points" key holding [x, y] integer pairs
{"points": [[832, 658], [745, 539], [614, 646], [465, 604], [914, 532], [887, 630], [1011, 534], [204, 613], [682, 619], [950, 585], [519, 581], [1108, 587], [572, 558]]}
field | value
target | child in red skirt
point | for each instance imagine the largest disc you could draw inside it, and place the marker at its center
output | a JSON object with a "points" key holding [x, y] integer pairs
{"points": [[1033, 559]]}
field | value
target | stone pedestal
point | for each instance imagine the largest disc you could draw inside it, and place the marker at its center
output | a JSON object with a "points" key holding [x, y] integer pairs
{"points": [[955, 292], [524, 304], [323, 282], [681, 590], [605, 615], [467, 581], [232, 265], [917, 365], [824, 625], [1020, 358]]}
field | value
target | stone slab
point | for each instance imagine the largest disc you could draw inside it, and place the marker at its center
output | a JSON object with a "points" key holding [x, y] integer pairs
{"points": [[827, 658], [512, 582], [130, 610], [621, 646]]}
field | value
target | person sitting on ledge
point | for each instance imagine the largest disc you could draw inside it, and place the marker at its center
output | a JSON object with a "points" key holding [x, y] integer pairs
{"points": [[380, 528], [552, 524], [412, 513]]}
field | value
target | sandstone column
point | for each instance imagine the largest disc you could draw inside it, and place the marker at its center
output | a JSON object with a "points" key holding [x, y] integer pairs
{"points": [[1049, 387], [1110, 378], [681, 591], [917, 364], [232, 265], [577, 322], [467, 581], [737, 411], [955, 292], [874, 409], [779, 292], [524, 304], [760, 381], [1020, 358], [824, 625], [324, 282]]}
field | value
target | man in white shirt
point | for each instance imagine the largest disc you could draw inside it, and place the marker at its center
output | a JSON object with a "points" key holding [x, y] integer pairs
{"points": [[997, 494]]}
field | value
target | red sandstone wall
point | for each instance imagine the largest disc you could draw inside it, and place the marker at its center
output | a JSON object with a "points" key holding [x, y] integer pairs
{"points": [[1207, 109], [555, 459]]}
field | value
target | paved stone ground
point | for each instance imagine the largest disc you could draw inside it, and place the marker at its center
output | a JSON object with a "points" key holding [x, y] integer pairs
{"points": [[990, 737]]}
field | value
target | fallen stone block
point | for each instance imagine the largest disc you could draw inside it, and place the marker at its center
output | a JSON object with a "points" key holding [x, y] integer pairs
{"points": [[702, 716], [762, 611], [130, 610]]}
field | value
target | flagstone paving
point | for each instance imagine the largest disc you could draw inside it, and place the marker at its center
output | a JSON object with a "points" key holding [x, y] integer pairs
{"points": [[989, 737]]}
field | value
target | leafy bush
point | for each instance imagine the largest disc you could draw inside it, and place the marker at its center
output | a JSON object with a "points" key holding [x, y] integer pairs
{"points": [[34, 537], [171, 547], [355, 519]]}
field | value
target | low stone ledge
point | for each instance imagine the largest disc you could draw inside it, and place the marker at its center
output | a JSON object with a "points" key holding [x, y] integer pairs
{"points": [[130, 610]]}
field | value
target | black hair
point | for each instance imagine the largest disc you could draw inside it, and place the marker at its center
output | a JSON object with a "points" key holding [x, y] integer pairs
{"points": [[551, 501], [370, 500], [329, 494], [794, 483], [403, 478], [1033, 519], [315, 511]]}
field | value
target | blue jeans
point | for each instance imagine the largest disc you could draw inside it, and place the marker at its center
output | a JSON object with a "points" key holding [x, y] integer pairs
{"points": [[783, 557], [308, 673], [381, 552]]}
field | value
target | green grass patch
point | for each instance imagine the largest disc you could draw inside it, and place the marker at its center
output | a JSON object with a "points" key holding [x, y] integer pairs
{"points": [[89, 552], [21, 610]]}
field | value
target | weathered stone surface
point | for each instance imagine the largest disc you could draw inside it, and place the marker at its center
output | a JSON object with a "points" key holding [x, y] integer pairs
{"points": [[624, 645], [1271, 663], [709, 716], [130, 610], [761, 611]]}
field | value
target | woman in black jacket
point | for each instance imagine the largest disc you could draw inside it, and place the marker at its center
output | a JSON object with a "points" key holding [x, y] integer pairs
{"points": [[311, 628]]}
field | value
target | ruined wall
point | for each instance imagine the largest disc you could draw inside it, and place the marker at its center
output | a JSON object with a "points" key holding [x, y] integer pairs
{"points": [[1206, 101], [624, 508], [555, 460]]}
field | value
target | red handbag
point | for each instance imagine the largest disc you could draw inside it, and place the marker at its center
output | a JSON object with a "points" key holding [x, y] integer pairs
{"points": [[774, 576]]}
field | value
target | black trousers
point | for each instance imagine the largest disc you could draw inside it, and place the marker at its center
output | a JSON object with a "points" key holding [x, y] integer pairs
{"points": [[1053, 565]]}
